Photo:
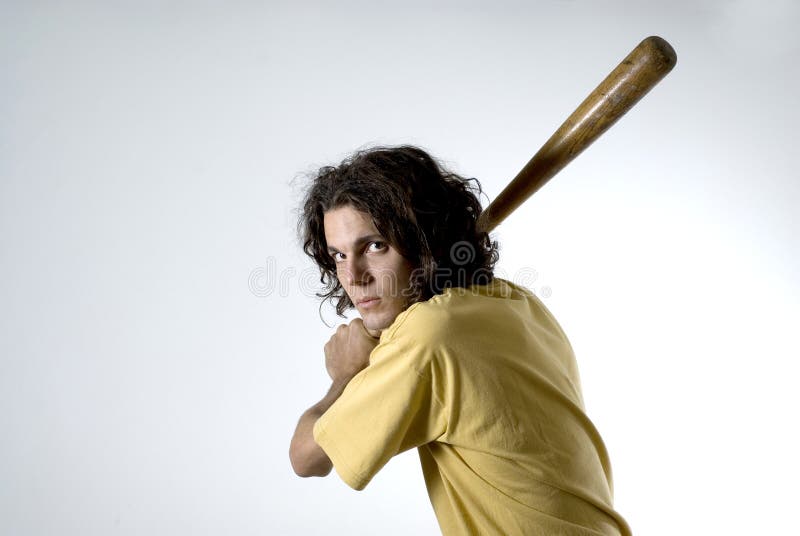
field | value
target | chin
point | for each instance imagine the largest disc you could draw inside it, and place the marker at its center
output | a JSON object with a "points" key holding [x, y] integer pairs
{"points": [[375, 324], [378, 321], [380, 318]]}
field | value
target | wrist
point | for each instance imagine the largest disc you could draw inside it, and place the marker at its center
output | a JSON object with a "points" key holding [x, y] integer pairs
{"points": [[343, 378], [333, 394], [338, 386]]}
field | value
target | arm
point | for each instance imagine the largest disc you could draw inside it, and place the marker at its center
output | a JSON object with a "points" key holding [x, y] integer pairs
{"points": [[308, 458], [346, 354]]}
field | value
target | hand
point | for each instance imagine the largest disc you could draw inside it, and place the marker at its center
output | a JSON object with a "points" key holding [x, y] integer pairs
{"points": [[347, 352]]}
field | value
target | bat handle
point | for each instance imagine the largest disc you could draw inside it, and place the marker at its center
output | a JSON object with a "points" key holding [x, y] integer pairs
{"points": [[642, 69]]}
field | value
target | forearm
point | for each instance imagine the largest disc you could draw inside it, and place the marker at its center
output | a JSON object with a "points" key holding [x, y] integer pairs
{"points": [[307, 457]]}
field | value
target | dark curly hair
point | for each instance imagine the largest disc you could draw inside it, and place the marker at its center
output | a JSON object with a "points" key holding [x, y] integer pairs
{"points": [[428, 214]]}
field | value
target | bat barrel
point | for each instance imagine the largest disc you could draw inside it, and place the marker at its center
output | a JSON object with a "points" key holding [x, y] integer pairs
{"points": [[638, 73]]}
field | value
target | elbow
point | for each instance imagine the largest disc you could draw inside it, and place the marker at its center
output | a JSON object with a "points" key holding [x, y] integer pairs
{"points": [[305, 464], [306, 470]]}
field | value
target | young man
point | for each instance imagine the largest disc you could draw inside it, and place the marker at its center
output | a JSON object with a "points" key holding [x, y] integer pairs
{"points": [[469, 368]]}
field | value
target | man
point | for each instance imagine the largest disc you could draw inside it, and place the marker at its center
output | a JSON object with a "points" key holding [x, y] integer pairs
{"points": [[470, 369]]}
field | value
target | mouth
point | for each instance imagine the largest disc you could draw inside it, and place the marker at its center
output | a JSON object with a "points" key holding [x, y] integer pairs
{"points": [[368, 302]]}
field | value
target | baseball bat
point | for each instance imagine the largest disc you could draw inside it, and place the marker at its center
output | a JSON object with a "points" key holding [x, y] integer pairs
{"points": [[642, 69]]}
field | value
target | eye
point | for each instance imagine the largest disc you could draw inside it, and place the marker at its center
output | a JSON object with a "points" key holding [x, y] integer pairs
{"points": [[337, 256], [376, 246]]}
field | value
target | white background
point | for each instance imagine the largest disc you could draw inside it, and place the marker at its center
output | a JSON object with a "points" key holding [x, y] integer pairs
{"points": [[160, 334]]}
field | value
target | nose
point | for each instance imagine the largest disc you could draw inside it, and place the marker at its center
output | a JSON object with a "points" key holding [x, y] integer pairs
{"points": [[356, 272]]}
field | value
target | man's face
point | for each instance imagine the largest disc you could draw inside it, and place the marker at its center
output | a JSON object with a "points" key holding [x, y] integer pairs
{"points": [[373, 273]]}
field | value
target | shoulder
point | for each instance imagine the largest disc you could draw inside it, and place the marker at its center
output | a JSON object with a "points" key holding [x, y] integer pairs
{"points": [[457, 310], [423, 320], [417, 335]]}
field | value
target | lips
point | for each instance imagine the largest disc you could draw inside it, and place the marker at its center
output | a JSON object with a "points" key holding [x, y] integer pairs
{"points": [[368, 301]]}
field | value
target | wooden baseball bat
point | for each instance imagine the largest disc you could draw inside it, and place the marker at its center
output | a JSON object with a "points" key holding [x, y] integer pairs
{"points": [[642, 69]]}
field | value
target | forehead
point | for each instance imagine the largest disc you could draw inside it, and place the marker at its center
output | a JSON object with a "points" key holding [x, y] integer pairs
{"points": [[345, 225]]}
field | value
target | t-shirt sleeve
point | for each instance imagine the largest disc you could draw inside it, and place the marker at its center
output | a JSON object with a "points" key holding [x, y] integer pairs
{"points": [[389, 407]]}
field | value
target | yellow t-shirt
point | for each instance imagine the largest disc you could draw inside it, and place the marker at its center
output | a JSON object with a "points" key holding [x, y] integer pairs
{"points": [[485, 383]]}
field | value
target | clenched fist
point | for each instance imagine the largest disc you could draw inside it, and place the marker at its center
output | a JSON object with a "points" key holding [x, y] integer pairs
{"points": [[347, 351]]}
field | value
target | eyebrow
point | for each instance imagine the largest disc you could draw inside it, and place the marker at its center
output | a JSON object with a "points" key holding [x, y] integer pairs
{"points": [[358, 241]]}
